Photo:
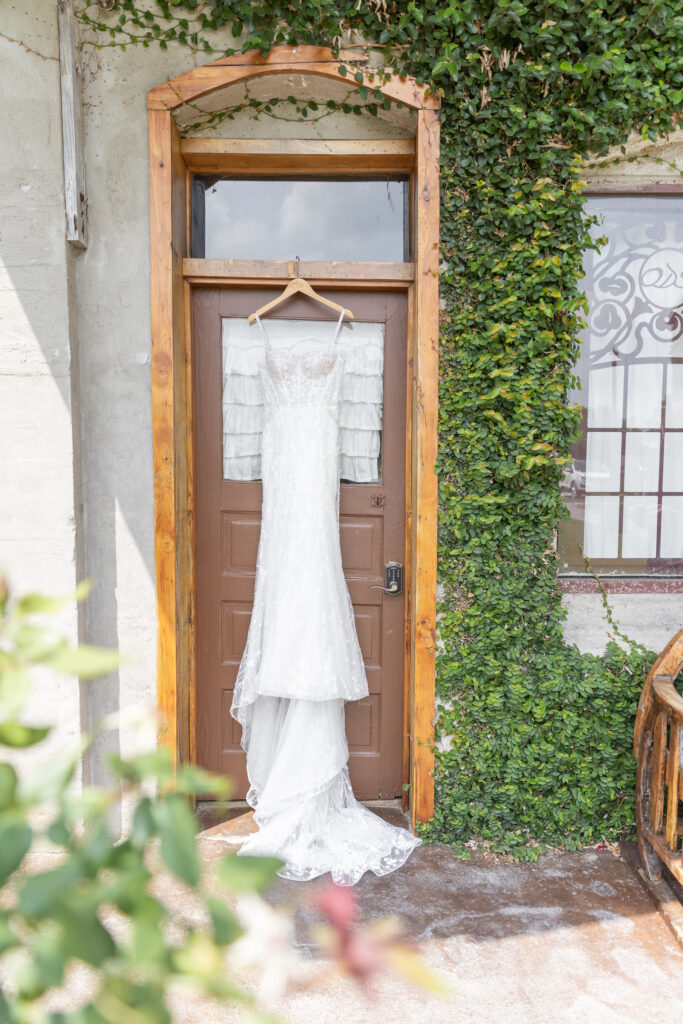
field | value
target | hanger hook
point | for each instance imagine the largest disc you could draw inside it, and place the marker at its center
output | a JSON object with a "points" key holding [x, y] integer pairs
{"points": [[297, 263]]}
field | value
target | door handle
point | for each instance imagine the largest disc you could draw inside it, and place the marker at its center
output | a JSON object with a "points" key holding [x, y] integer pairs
{"points": [[393, 579]]}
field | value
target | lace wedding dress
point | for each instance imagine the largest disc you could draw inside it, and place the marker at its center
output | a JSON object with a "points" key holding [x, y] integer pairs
{"points": [[302, 659]]}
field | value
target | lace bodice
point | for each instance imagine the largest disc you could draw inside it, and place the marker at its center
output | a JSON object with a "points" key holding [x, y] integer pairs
{"points": [[309, 377]]}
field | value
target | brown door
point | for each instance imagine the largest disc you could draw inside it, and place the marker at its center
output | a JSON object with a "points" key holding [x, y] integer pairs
{"points": [[371, 532]]}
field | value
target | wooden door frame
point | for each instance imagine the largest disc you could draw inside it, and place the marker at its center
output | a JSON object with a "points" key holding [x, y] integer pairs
{"points": [[172, 161]]}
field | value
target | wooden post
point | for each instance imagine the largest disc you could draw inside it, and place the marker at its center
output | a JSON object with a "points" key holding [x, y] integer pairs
{"points": [[72, 129], [167, 240], [425, 484]]}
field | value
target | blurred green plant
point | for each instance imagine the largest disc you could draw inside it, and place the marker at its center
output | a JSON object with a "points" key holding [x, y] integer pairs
{"points": [[102, 902], [98, 904]]}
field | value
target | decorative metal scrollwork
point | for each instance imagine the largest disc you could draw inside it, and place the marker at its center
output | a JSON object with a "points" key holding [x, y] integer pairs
{"points": [[636, 291]]}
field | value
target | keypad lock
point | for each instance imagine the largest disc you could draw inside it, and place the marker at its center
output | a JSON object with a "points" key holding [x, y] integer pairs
{"points": [[393, 579]]}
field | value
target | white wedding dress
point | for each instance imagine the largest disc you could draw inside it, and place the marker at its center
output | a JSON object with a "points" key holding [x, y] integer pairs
{"points": [[302, 658]]}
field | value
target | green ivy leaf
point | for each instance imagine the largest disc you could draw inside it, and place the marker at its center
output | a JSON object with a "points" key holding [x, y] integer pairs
{"points": [[14, 734], [83, 661], [248, 874], [41, 895], [83, 934], [15, 841], [15, 686], [8, 785], [226, 927], [192, 779], [43, 604], [50, 779], [177, 829], [7, 940]]}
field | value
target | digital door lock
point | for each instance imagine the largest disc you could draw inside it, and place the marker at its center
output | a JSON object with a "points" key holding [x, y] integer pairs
{"points": [[393, 579]]}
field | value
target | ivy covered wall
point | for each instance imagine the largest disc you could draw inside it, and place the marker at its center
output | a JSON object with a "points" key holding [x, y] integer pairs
{"points": [[533, 736]]}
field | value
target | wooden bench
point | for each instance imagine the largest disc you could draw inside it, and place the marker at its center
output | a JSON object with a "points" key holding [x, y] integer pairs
{"points": [[657, 743]]}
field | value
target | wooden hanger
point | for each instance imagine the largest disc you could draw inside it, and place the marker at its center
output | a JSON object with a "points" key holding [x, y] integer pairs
{"points": [[298, 284]]}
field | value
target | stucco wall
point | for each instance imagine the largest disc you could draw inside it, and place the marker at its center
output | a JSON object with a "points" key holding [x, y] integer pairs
{"points": [[54, 300], [37, 467]]}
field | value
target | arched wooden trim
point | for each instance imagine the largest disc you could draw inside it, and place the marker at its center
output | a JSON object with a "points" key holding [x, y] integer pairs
{"points": [[172, 395], [305, 60]]}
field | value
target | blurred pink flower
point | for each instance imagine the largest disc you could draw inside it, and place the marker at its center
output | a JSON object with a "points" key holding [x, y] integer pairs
{"points": [[365, 952]]}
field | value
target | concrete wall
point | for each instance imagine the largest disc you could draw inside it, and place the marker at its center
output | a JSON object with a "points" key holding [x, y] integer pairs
{"points": [[79, 502], [321, 124], [38, 465]]}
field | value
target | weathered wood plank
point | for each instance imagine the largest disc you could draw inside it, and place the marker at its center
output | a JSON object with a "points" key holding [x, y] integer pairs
{"points": [[293, 156], [648, 857], [190, 514], [408, 553], [673, 861], [167, 228], [673, 761], [658, 763], [282, 271], [72, 128], [184, 471], [315, 148], [349, 166], [666, 696], [426, 369]]}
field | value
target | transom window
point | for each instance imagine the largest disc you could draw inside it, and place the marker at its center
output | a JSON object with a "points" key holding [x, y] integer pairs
{"points": [[624, 487], [352, 220]]}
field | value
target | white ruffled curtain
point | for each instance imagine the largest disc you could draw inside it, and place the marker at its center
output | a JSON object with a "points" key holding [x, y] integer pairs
{"points": [[361, 395]]}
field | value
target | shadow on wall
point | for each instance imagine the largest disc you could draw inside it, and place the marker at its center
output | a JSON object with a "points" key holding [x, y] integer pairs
{"points": [[101, 487]]}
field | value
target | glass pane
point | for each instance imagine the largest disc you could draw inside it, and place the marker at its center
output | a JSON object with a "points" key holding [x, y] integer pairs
{"points": [[606, 397], [641, 467], [672, 527], [360, 409], [284, 219], [603, 461], [645, 394], [639, 538], [674, 396], [601, 527], [673, 462], [629, 460]]}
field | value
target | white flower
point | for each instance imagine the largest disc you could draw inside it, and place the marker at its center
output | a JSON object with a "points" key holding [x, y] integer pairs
{"points": [[267, 945]]}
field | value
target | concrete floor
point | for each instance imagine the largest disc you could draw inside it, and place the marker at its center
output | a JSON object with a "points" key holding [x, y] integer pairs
{"points": [[572, 938]]}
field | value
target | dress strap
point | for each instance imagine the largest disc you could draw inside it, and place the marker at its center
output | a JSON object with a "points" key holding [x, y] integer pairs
{"points": [[338, 328], [263, 331]]}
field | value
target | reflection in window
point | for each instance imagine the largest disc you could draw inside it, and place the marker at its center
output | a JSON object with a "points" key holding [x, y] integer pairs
{"points": [[360, 412], [285, 219], [624, 487]]}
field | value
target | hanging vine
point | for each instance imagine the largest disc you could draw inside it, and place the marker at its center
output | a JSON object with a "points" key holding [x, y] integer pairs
{"points": [[533, 736]]}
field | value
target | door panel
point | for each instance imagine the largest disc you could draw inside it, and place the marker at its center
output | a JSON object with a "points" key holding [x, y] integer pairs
{"points": [[372, 531]]}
